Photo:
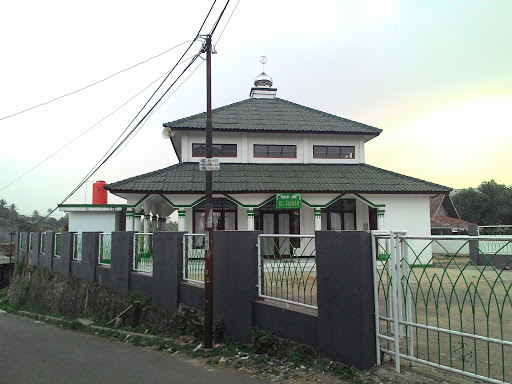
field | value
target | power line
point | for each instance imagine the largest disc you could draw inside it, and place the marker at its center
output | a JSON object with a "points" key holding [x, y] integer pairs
{"points": [[84, 132], [156, 109], [93, 84], [101, 162], [227, 22]]}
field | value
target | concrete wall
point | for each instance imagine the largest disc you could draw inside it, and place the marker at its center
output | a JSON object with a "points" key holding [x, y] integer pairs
{"points": [[342, 328]]}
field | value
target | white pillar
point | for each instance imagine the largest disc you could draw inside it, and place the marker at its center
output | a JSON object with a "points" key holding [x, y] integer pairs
{"points": [[147, 224], [381, 225], [129, 220], [137, 221], [250, 220], [318, 219], [181, 221], [154, 223]]}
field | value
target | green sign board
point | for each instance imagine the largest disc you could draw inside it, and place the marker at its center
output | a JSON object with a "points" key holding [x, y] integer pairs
{"points": [[288, 200]]}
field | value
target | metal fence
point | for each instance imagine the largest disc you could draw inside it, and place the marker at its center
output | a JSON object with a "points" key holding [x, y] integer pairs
{"points": [[287, 269], [193, 257], [105, 249], [77, 246], [496, 232], [443, 310], [143, 252], [58, 244]]}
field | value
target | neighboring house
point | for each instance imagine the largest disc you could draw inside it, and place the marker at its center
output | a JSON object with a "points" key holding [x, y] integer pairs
{"points": [[445, 220], [269, 146], [7, 249]]}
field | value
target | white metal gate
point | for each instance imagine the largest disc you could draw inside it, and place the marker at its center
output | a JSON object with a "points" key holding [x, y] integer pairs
{"points": [[440, 309]]}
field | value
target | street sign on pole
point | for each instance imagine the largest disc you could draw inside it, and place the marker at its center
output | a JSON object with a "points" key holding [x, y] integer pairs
{"points": [[209, 164]]}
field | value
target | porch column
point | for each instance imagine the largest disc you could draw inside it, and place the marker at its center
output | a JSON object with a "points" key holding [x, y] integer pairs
{"points": [[380, 219], [147, 224], [318, 219], [250, 220], [154, 223], [181, 221], [129, 220], [137, 221], [161, 223]]}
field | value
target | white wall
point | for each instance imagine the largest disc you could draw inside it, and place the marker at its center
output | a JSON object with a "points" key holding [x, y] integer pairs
{"points": [[410, 213], [93, 222], [304, 142]]}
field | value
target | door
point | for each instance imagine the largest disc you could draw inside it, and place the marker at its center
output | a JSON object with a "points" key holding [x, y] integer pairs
{"points": [[278, 222]]}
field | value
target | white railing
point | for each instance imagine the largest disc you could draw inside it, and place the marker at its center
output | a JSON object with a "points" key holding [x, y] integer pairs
{"points": [[143, 252], [497, 233], [193, 257], [287, 269], [443, 310]]}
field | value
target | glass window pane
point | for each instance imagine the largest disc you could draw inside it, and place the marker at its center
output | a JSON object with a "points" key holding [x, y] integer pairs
{"points": [[216, 150], [349, 221], [216, 221], [349, 204], [333, 152], [289, 151], [274, 151], [198, 150], [347, 152], [319, 151], [260, 150], [198, 222], [228, 150], [230, 221], [335, 221]]}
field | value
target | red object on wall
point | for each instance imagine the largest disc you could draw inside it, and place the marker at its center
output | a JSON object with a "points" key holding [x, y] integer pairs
{"points": [[99, 193]]}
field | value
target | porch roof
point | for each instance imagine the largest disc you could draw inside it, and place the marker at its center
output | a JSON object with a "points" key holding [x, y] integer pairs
{"points": [[276, 115], [265, 178]]}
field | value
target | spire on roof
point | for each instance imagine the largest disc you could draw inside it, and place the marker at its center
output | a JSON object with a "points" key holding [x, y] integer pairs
{"points": [[263, 84]]}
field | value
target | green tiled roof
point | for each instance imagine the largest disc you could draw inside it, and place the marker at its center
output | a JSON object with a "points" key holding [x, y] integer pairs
{"points": [[238, 178], [273, 115]]}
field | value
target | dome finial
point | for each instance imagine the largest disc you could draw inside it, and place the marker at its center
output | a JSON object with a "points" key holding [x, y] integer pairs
{"points": [[263, 80]]}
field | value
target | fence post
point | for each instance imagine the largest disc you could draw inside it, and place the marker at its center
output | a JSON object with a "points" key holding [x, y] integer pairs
{"points": [[90, 252], [49, 250], [474, 254], [33, 255], [346, 308], [167, 270], [66, 252], [121, 263], [235, 277]]}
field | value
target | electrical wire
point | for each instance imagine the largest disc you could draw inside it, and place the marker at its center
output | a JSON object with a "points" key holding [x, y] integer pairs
{"points": [[227, 22], [87, 130], [106, 157], [156, 109], [93, 84]]}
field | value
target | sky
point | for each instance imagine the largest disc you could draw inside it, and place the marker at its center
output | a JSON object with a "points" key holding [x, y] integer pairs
{"points": [[435, 76]]}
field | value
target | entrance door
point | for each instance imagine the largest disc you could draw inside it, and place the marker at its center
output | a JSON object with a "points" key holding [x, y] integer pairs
{"points": [[278, 222]]}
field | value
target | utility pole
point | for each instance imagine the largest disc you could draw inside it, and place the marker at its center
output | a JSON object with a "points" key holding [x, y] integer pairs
{"points": [[208, 260]]}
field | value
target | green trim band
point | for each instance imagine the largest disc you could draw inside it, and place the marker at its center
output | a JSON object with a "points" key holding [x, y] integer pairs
{"points": [[368, 201], [200, 200], [324, 205], [250, 206]]}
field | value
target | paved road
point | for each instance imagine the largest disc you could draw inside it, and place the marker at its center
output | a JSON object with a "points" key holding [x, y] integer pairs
{"points": [[33, 352]]}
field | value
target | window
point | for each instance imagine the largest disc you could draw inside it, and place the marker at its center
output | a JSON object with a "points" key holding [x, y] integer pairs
{"points": [[340, 216], [333, 152], [218, 150], [224, 216], [276, 151]]}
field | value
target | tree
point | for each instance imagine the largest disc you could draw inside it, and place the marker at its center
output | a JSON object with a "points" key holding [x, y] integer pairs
{"points": [[36, 214], [13, 210], [489, 204]]}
